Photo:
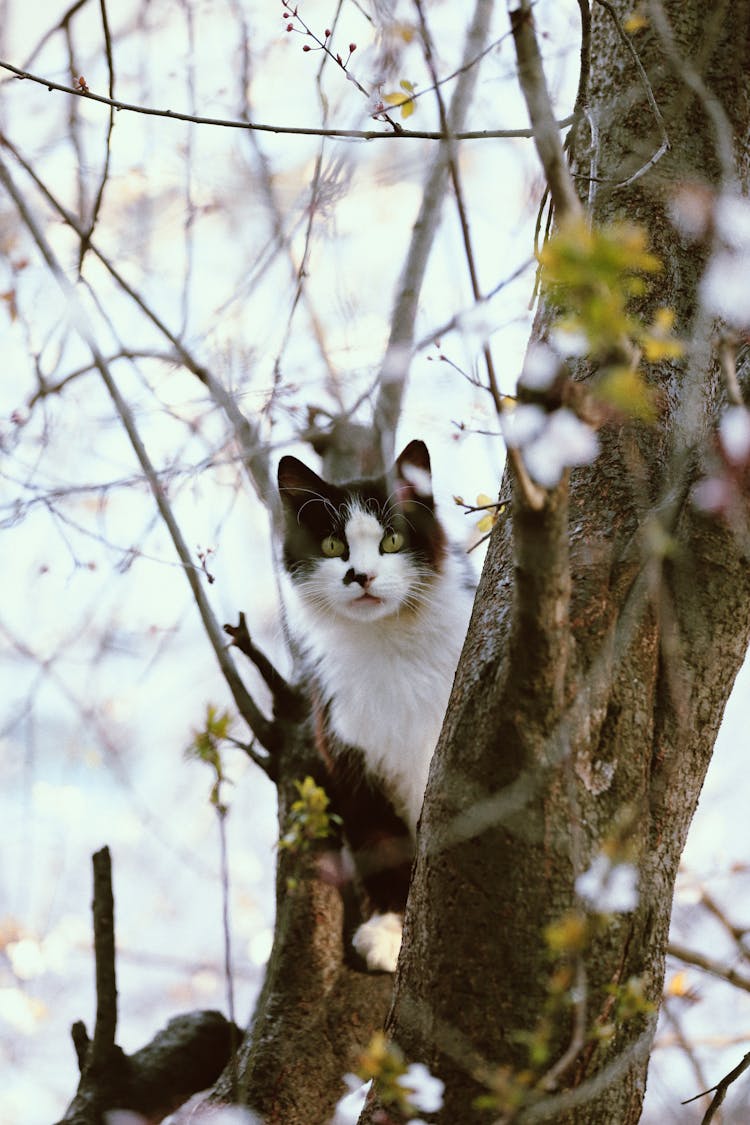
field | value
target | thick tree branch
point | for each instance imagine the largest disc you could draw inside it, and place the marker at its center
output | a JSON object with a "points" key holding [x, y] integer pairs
{"points": [[395, 365], [105, 1027], [287, 700], [546, 135], [187, 1056], [537, 659]]}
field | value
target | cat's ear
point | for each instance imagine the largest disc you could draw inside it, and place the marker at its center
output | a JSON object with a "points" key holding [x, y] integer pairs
{"points": [[413, 474], [297, 481]]}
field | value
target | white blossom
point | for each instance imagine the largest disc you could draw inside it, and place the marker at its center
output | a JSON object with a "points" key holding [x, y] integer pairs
{"points": [[424, 1090], [540, 367], [609, 888], [199, 1113], [732, 218], [350, 1106], [734, 430], [725, 290], [570, 342], [522, 425], [565, 441]]}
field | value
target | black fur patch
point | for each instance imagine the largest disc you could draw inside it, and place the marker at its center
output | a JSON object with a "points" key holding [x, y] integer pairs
{"points": [[315, 509]]}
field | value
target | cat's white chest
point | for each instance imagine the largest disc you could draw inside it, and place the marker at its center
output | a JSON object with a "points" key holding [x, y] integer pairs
{"points": [[387, 685]]}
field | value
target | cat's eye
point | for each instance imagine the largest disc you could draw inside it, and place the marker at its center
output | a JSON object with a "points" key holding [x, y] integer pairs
{"points": [[332, 547], [392, 542]]}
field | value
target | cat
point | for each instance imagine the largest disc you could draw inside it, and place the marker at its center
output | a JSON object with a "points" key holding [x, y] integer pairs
{"points": [[378, 604]]}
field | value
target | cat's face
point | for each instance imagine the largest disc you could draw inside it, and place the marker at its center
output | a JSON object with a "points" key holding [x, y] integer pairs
{"points": [[364, 550]]}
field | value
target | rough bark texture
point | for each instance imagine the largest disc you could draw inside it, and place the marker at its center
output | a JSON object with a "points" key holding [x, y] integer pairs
{"points": [[317, 1008], [533, 776]]}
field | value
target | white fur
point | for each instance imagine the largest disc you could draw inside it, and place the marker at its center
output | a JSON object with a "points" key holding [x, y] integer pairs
{"points": [[386, 660], [378, 941]]}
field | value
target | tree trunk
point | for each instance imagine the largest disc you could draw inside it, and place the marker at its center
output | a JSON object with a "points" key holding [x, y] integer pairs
{"points": [[316, 1009], [582, 727]]}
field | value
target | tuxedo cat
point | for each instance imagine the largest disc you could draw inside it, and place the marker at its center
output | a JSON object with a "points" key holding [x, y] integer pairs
{"points": [[378, 605]]}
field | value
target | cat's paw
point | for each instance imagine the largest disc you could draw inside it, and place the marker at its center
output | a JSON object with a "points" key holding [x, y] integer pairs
{"points": [[378, 941]]}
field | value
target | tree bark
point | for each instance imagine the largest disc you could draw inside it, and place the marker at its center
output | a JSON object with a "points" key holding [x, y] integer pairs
{"points": [[533, 777]]}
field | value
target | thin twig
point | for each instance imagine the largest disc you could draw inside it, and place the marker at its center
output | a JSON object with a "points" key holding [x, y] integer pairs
{"points": [[291, 130], [721, 1090], [61, 24], [708, 966], [47, 388], [727, 348], [578, 1036], [683, 1043], [254, 456], [259, 724], [285, 697], [221, 813], [463, 217], [84, 245], [455, 323]]}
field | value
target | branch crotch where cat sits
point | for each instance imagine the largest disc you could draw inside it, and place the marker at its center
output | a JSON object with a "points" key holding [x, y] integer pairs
{"points": [[289, 704]]}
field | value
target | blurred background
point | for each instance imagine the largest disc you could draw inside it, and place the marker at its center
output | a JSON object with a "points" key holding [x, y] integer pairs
{"points": [[272, 260]]}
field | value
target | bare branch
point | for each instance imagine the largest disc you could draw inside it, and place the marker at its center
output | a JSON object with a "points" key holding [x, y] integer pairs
{"points": [[546, 134], [460, 202], [261, 727], [105, 1027], [292, 130], [727, 344], [731, 976], [286, 698], [721, 1090], [107, 141], [395, 366], [254, 455]]}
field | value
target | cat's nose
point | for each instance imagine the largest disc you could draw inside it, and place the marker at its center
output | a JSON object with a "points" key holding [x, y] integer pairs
{"points": [[352, 575]]}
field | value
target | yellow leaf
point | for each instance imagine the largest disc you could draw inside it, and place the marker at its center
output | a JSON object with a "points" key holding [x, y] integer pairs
{"points": [[678, 985], [664, 319], [658, 343], [568, 934], [623, 388], [636, 21], [487, 522], [656, 348], [483, 500], [405, 31], [403, 97]]}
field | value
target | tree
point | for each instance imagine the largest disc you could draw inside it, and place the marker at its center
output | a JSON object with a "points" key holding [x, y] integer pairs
{"points": [[610, 622]]}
